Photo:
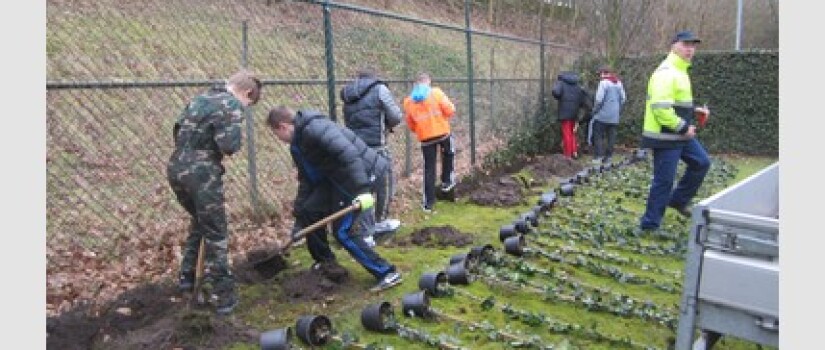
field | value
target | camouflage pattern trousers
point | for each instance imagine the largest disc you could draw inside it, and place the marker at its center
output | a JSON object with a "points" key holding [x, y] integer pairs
{"points": [[198, 187]]}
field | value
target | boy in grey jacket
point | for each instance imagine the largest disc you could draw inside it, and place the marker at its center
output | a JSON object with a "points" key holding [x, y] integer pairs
{"points": [[371, 113], [607, 108]]}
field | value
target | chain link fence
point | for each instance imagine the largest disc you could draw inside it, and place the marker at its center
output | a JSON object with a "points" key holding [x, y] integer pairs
{"points": [[119, 73]]}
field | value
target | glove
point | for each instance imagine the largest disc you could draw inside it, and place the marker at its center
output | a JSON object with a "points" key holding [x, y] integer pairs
{"points": [[366, 200], [702, 114]]}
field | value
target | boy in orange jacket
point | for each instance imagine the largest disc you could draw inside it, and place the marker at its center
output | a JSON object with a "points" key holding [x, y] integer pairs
{"points": [[427, 111]]}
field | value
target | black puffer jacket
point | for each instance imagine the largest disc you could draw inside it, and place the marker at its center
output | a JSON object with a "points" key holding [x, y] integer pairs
{"points": [[570, 94], [326, 151], [362, 110]]}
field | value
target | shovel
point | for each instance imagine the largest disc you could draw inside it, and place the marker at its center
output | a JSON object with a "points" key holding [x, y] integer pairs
{"points": [[199, 265], [275, 261]]}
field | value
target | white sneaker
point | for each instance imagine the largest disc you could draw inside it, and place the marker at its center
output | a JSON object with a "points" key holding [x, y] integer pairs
{"points": [[392, 279], [370, 241], [388, 225], [446, 187]]}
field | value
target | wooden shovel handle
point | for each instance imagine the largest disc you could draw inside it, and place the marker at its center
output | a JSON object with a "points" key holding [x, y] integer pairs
{"points": [[306, 230], [199, 265]]}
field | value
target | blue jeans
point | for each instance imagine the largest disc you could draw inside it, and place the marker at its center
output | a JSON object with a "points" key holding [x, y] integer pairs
{"points": [[344, 232], [662, 193]]}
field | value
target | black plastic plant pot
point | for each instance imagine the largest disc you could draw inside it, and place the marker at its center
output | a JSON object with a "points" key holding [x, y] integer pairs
{"points": [[314, 330], [378, 317], [482, 251], [277, 339], [548, 200], [514, 245], [458, 258], [531, 218], [470, 258], [459, 274], [486, 253], [567, 190], [506, 231], [582, 177], [416, 304], [521, 225], [537, 210], [433, 283]]}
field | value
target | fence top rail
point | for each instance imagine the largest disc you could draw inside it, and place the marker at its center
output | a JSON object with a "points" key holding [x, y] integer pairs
{"points": [[114, 84], [380, 13]]}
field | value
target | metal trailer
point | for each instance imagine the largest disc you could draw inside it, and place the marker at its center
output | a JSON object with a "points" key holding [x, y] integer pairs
{"points": [[732, 268]]}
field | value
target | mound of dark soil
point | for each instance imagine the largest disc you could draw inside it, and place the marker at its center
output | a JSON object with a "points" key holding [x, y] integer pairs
{"points": [[554, 165], [506, 191], [313, 285], [500, 188], [436, 237]]}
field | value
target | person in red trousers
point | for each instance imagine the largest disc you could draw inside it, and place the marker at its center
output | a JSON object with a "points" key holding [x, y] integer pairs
{"points": [[571, 98]]}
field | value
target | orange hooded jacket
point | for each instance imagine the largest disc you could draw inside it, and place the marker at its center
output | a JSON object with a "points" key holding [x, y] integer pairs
{"points": [[429, 118]]}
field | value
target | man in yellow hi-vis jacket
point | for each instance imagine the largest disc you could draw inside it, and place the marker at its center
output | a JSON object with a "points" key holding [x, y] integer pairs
{"points": [[670, 131]]}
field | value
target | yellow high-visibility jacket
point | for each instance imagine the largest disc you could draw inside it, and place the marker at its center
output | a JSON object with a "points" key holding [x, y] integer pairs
{"points": [[669, 105]]}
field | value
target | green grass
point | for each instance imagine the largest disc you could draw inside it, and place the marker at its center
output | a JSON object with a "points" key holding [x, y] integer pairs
{"points": [[258, 309]]}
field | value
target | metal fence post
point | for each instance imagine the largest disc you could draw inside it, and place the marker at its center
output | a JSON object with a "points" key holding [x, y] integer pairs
{"points": [[470, 81], [405, 71], [542, 71], [492, 94], [252, 167], [738, 43], [328, 54]]}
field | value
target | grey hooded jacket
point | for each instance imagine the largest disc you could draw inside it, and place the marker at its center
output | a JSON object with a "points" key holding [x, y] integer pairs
{"points": [[607, 105]]}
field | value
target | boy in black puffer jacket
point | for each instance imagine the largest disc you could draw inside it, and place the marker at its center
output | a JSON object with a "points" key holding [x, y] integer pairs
{"points": [[572, 98], [335, 168]]}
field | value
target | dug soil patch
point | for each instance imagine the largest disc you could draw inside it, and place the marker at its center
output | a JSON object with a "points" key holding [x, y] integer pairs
{"points": [[510, 190], [152, 316], [505, 191], [313, 285], [436, 237], [545, 168]]}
